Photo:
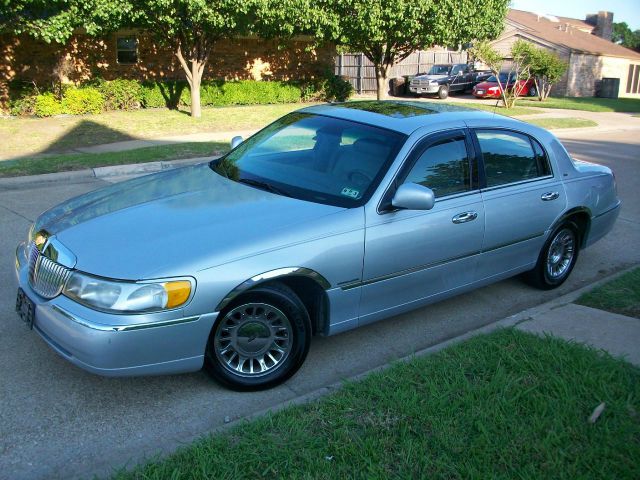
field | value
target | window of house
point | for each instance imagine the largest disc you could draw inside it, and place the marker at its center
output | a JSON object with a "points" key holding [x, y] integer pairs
{"points": [[443, 167], [633, 83], [511, 157], [127, 50]]}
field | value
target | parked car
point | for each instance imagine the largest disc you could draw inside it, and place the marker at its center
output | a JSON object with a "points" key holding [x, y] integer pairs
{"points": [[330, 218], [442, 79], [490, 88]]}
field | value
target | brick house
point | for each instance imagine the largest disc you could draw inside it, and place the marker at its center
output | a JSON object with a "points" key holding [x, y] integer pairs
{"points": [[586, 46], [133, 54]]}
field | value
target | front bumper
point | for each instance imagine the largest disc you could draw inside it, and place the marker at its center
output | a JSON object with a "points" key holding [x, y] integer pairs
{"points": [[118, 345], [424, 88]]}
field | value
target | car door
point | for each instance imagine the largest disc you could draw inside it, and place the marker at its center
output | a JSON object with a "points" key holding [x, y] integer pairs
{"points": [[460, 80], [412, 256], [522, 200]]}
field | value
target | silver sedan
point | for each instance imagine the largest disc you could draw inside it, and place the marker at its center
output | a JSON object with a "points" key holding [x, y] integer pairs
{"points": [[332, 217]]}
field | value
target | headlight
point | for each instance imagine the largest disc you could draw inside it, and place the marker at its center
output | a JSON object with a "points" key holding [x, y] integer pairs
{"points": [[126, 297], [433, 82]]}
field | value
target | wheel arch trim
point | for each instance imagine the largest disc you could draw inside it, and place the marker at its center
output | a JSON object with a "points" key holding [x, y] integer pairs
{"points": [[273, 275], [571, 212]]}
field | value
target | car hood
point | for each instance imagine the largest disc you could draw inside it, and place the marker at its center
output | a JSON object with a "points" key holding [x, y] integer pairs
{"points": [[431, 77], [486, 85], [174, 223]]}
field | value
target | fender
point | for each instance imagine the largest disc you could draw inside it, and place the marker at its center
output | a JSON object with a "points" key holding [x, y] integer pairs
{"points": [[570, 213], [272, 275]]}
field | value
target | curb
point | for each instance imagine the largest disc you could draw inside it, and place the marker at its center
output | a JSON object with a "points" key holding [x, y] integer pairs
{"points": [[103, 172]]}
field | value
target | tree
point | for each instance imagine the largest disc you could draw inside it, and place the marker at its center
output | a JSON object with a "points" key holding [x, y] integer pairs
{"points": [[484, 52], [624, 36], [191, 28], [56, 20], [546, 69], [529, 62], [388, 31]]}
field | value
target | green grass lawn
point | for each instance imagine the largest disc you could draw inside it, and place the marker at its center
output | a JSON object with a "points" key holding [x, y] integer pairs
{"points": [[591, 104], [621, 295], [24, 136], [506, 405], [79, 161], [562, 122]]}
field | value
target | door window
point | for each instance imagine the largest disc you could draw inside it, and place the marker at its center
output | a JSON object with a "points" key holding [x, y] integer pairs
{"points": [[511, 157], [443, 167]]}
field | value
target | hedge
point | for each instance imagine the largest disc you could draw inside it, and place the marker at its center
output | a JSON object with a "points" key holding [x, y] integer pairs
{"points": [[100, 95]]}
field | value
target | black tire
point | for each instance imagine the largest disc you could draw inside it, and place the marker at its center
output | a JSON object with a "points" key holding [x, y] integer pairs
{"points": [[273, 297], [533, 92], [443, 92], [565, 236]]}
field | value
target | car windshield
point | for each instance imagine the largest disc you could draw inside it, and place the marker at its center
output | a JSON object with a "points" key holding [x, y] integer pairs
{"points": [[503, 78], [439, 70], [314, 158]]}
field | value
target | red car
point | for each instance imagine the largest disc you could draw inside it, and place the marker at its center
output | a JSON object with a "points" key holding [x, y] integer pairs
{"points": [[490, 89]]}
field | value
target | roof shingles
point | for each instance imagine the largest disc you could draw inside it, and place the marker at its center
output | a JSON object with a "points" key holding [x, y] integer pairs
{"points": [[568, 37]]}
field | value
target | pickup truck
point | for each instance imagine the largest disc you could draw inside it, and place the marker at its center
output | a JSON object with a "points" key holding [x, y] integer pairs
{"points": [[442, 79]]}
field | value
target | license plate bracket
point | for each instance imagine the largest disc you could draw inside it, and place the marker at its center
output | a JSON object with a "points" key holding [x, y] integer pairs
{"points": [[25, 308]]}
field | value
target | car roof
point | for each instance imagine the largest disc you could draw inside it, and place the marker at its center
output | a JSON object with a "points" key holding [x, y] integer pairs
{"points": [[403, 117]]}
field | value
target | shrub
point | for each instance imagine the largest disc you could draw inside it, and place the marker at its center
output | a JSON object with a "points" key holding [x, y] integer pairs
{"points": [[121, 94], [25, 105], [337, 89], [47, 105], [167, 94], [79, 101], [217, 93]]}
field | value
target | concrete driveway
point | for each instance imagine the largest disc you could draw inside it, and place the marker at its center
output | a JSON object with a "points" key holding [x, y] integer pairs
{"points": [[57, 421]]}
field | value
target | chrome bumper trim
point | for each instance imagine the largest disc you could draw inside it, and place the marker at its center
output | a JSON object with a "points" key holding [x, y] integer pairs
{"points": [[121, 328]]}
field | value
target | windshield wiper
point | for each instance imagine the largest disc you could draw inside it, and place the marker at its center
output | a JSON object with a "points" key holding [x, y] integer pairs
{"points": [[263, 186]]}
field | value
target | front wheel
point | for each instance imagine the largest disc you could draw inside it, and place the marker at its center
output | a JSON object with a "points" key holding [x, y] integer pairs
{"points": [[533, 92], [443, 92], [557, 258], [260, 340]]}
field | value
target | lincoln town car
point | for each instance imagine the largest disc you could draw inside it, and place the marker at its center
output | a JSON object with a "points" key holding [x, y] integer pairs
{"points": [[332, 217]]}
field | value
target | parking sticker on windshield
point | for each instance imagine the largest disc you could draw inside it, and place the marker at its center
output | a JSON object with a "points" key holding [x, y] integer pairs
{"points": [[350, 192]]}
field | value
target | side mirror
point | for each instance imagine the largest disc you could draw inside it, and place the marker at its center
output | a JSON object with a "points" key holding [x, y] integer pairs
{"points": [[235, 141], [412, 196]]}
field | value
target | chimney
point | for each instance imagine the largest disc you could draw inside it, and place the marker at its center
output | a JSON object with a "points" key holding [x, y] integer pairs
{"points": [[603, 23]]}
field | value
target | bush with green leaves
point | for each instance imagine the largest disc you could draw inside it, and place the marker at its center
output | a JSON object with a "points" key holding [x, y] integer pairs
{"points": [[121, 94], [337, 89], [82, 100], [47, 105]]}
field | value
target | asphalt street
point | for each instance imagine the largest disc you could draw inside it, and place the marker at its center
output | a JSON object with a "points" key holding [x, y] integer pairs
{"points": [[57, 421]]}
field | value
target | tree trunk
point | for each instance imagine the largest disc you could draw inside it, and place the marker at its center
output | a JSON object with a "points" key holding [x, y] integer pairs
{"points": [[194, 84], [194, 75], [382, 84]]}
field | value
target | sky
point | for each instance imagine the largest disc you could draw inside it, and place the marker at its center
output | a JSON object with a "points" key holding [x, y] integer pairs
{"points": [[623, 10]]}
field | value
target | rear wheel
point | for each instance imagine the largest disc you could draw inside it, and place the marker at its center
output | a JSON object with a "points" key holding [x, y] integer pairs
{"points": [[260, 340], [557, 258], [443, 92]]}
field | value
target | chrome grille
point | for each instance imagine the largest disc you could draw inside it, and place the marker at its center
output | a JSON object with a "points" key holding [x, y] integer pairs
{"points": [[46, 277]]}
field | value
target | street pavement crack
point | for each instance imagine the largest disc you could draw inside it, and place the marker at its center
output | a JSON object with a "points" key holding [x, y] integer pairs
{"points": [[16, 213]]}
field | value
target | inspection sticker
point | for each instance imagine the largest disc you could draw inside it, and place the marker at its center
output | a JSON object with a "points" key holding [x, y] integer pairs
{"points": [[350, 192]]}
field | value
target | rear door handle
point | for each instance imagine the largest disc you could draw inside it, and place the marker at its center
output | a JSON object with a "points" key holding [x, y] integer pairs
{"points": [[464, 217], [546, 197]]}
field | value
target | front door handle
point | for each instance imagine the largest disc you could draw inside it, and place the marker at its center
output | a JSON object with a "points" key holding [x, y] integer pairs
{"points": [[464, 217], [546, 197]]}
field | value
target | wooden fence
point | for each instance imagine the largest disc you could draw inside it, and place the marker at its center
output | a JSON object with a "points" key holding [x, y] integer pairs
{"points": [[359, 70]]}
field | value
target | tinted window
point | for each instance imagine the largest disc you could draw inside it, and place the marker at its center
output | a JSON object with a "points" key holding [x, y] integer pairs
{"points": [[509, 157], [315, 158], [443, 167]]}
